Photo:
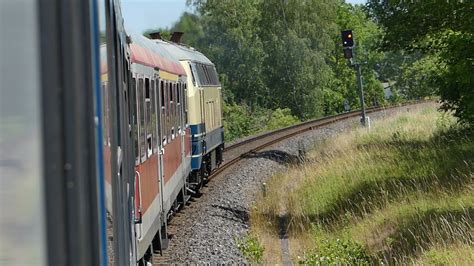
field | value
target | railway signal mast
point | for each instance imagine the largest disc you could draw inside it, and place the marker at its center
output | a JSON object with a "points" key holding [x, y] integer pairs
{"points": [[348, 45]]}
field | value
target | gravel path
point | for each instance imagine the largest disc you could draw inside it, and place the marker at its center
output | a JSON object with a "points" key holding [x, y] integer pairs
{"points": [[207, 229]]}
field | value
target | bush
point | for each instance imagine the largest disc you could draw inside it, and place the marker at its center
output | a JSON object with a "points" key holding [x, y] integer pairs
{"points": [[281, 118], [237, 121], [251, 248], [338, 252]]}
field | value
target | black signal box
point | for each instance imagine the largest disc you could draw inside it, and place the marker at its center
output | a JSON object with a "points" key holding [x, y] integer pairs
{"points": [[347, 38]]}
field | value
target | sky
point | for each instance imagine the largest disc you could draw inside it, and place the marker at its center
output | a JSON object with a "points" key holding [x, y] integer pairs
{"points": [[140, 15]]}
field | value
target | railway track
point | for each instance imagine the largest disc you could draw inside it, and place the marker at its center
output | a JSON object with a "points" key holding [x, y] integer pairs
{"points": [[239, 150]]}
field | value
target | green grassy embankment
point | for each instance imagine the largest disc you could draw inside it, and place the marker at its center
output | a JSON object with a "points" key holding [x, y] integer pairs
{"points": [[401, 192]]}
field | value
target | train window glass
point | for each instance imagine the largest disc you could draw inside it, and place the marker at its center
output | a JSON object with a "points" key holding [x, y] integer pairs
{"points": [[162, 113], [185, 104], [153, 116], [168, 114], [141, 105], [147, 89], [211, 75], [149, 127], [105, 114], [206, 72], [176, 108], [171, 92], [208, 76], [192, 73], [162, 90], [178, 100], [198, 70], [204, 67], [202, 75], [135, 125], [214, 75]]}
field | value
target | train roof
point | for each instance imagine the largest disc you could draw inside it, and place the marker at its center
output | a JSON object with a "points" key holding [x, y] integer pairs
{"points": [[184, 53], [148, 52]]}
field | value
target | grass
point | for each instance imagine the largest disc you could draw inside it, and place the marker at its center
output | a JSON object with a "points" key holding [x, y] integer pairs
{"points": [[403, 191], [251, 248]]}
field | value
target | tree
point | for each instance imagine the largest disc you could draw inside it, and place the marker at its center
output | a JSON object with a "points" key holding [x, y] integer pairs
{"points": [[418, 79], [344, 84], [297, 40], [443, 28]]}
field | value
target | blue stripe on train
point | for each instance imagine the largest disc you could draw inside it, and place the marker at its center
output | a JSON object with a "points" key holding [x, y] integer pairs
{"points": [[203, 143]]}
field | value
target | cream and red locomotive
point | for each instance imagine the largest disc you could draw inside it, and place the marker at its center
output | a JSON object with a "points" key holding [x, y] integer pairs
{"points": [[176, 126]]}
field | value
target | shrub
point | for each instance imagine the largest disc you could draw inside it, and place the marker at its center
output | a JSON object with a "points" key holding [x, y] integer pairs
{"points": [[281, 118], [251, 248], [337, 252]]}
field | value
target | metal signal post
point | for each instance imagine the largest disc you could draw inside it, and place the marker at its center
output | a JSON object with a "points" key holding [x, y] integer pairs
{"points": [[361, 92], [348, 45]]}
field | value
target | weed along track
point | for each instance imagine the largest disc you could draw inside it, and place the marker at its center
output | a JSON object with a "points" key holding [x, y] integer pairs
{"points": [[215, 226]]}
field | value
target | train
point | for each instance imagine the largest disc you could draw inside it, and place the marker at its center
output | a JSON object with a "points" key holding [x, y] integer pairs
{"points": [[122, 130]]}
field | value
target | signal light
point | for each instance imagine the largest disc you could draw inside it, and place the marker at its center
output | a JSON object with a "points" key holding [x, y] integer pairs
{"points": [[347, 38]]}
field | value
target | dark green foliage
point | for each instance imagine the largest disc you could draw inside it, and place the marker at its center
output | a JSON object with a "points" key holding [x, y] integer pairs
{"points": [[240, 121], [418, 79], [237, 121], [441, 28], [337, 252], [281, 118]]}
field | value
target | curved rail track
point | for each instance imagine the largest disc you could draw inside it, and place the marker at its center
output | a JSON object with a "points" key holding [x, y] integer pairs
{"points": [[235, 152], [238, 151]]}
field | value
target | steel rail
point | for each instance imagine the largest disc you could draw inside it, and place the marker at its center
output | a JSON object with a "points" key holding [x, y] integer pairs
{"points": [[290, 131]]}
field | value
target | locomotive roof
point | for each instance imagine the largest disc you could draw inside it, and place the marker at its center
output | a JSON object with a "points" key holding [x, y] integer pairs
{"points": [[148, 52], [184, 53]]}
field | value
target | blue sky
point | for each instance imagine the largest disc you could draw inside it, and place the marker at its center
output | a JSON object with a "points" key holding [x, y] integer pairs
{"points": [[140, 15]]}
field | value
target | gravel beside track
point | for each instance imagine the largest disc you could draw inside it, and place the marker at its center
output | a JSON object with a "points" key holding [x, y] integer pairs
{"points": [[206, 230]]}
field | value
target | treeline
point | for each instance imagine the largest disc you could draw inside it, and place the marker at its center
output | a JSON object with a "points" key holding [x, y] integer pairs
{"points": [[440, 36], [282, 59]]}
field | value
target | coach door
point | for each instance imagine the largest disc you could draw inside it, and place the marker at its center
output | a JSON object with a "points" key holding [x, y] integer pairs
{"points": [[160, 112]]}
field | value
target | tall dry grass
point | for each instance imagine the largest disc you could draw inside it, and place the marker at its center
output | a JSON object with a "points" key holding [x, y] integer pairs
{"points": [[403, 189]]}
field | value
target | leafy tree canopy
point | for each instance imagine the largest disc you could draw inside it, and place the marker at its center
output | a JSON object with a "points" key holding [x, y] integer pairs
{"points": [[441, 28]]}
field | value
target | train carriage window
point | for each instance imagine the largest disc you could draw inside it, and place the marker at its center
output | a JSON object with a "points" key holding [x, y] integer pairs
{"points": [[149, 127], [178, 100], [162, 113], [185, 104], [153, 116], [141, 107], [178, 107], [162, 88], [135, 124], [172, 109], [171, 92], [168, 114]]}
